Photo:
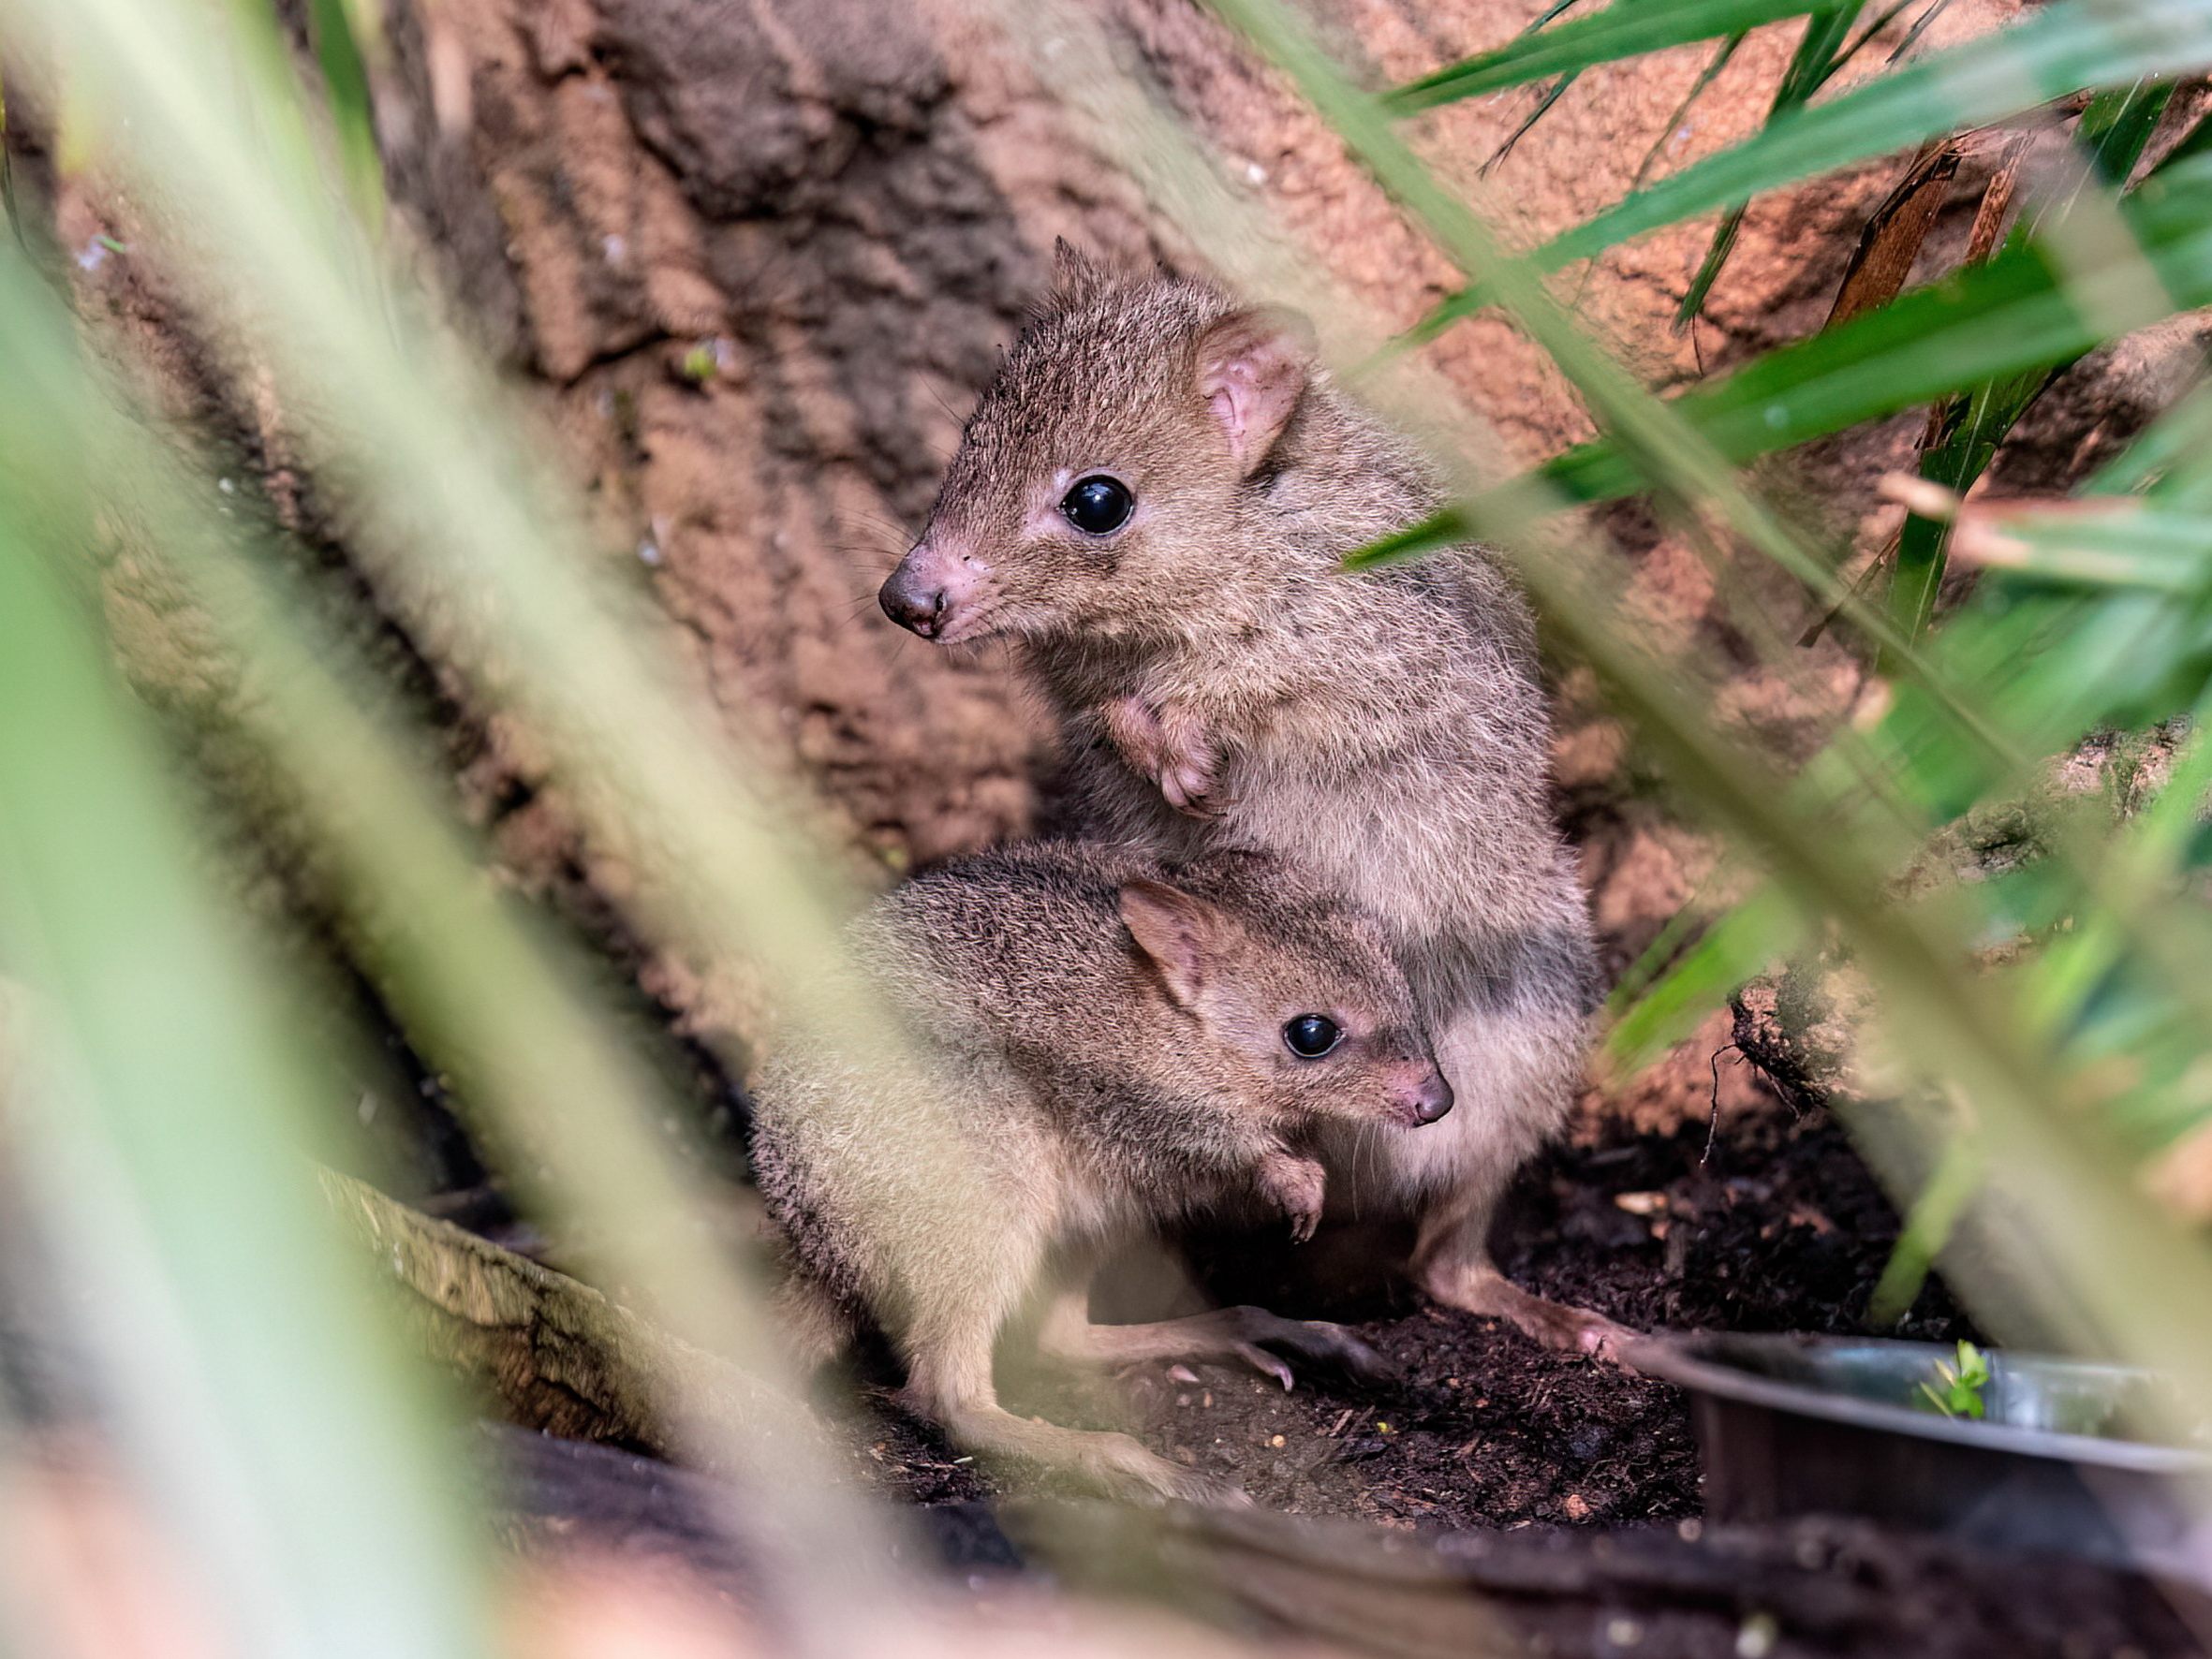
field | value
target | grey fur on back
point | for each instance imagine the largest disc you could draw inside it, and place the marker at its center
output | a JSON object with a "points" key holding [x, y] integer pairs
{"points": [[1385, 733], [1039, 1083]]}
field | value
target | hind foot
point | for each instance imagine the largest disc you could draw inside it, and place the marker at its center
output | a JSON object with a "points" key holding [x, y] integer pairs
{"points": [[1483, 1289]]}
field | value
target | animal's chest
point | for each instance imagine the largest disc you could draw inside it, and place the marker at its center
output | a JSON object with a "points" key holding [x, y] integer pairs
{"points": [[1389, 828], [1348, 831], [1083, 681]]}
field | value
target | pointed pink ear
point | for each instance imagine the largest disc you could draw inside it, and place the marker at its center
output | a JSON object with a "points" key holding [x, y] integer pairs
{"points": [[1076, 276], [1181, 934], [1252, 369]]}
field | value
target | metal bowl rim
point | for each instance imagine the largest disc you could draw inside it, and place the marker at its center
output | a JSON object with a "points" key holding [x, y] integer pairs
{"points": [[1673, 1357]]}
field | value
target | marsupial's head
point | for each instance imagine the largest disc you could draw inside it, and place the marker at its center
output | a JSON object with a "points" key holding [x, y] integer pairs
{"points": [[1119, 444], [1279, 1001]]}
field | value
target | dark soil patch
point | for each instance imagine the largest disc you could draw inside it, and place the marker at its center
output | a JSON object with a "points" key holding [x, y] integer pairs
{"points": [[1780, 1227], [1816, 1589], [1513, 1500], [1482, 1428], [1771, 1224]]}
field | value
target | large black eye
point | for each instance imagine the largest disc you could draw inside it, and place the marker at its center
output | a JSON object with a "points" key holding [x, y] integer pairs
{"points": [[1099, 506], [1311, 1036]]}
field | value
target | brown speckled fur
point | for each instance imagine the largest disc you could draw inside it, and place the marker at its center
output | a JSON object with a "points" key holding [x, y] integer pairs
{"points": [[1088, 1052], [1221, 685]]}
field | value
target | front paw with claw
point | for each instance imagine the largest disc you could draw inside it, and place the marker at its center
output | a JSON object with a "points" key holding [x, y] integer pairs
{"points": [[1175, 750], [1296, 1185]]}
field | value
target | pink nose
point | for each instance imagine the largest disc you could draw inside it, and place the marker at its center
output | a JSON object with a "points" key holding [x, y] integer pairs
{"points": [[912, 597], [1424, 1098], [925, 594]]}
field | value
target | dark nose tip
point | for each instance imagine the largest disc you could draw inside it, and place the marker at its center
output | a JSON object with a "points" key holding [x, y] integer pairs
{"points": [[913, 602], [1433, 1099]]}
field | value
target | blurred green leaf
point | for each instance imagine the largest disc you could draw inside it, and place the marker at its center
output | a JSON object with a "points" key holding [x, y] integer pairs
{"points": [[298, 1461], [2170, 553], [1818, 54], [2142, 865], [2017, 313], [1738, 947], [1929, 1222], [2172, 456], [345, 82], [2073, 46], [461, 530], [1626, 29]]}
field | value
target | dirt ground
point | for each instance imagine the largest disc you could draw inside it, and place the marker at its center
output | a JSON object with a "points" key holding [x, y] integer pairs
{"points": [[1494, 1497], [847, 206], [1778, 1227]]}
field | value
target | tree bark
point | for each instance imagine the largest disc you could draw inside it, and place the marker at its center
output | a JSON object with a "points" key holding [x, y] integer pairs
{"points": [[555, 1354]]}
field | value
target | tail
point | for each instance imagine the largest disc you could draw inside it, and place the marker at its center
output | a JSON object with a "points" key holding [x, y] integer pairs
{"points": [[815, 1326], [812, 1303]]}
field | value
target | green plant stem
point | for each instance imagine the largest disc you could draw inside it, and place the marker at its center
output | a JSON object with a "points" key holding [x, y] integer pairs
{"points": [[1721, 56], [1628, 28], [1820, 54], [1889, 15], [1644, 427], [2064, 49], [1934, 1214], [229, 1321]]}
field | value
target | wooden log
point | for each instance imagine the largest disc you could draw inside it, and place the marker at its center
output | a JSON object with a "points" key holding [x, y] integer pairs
{"points": [[555, 1354]]}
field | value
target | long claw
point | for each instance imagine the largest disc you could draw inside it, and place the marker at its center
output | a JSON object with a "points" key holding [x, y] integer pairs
{"points": [[1267, 1364]]}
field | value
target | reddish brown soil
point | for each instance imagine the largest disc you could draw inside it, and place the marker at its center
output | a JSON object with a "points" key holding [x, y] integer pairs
{"points": [[844, 208]]}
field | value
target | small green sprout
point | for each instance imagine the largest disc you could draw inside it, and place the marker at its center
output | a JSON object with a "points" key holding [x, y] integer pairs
{"points": [[1961, 1393], [700, 362]]}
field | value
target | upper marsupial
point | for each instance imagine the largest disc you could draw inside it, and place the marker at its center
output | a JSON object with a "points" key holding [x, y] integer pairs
{"points": [[1154, 498], [1089, 1047]]}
